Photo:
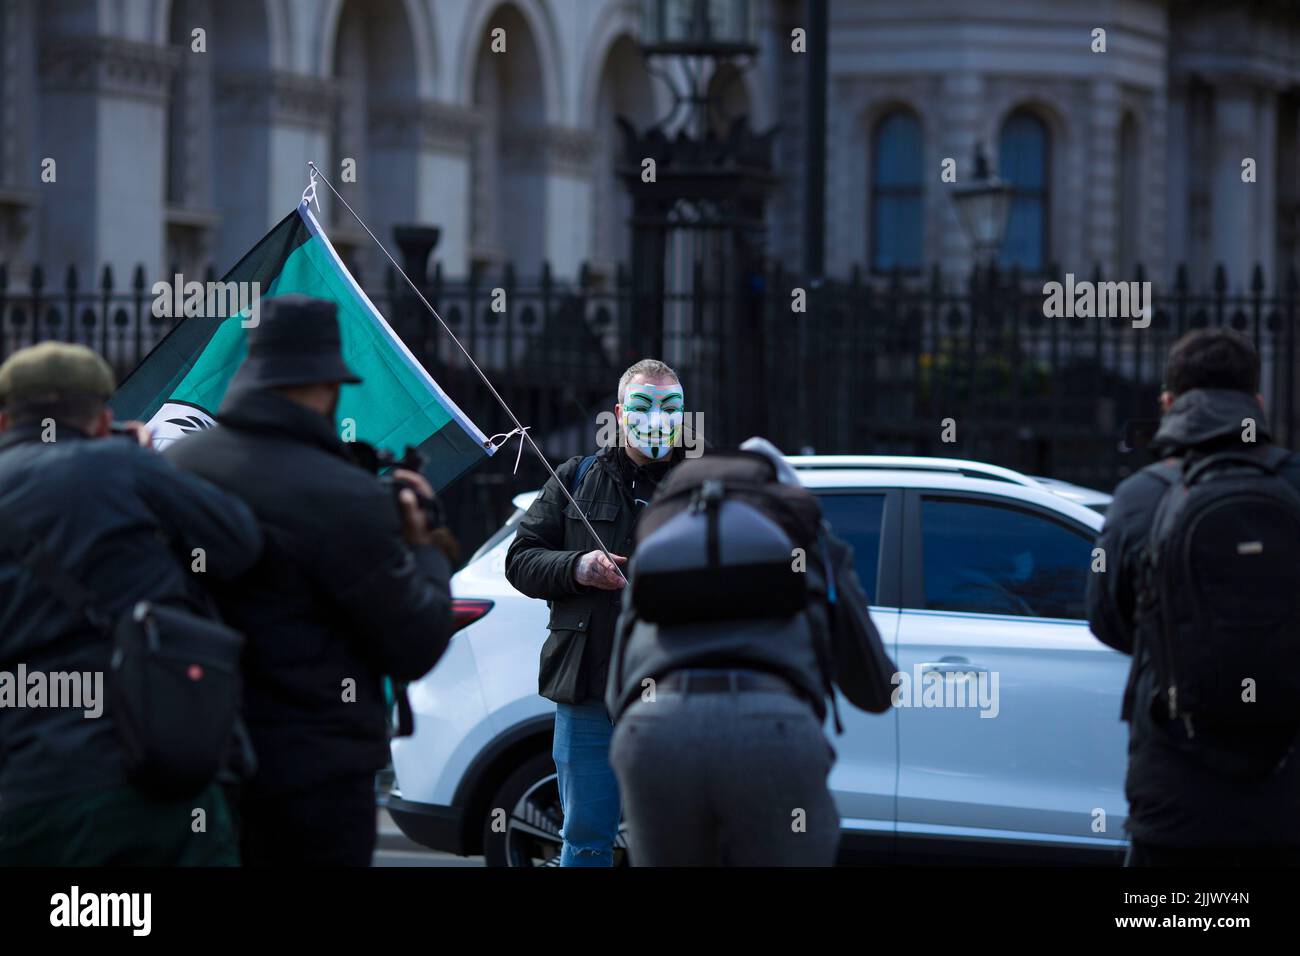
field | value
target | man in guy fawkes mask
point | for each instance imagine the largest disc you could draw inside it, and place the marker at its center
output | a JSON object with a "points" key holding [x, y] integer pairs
{"points": [[554, 558]]}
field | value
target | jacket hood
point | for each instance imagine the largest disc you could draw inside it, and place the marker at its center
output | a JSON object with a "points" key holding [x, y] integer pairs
{"points": [[1205, 414]]}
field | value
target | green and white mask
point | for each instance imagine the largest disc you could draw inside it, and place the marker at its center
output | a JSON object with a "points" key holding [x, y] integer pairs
{"points": [[652, 419]]}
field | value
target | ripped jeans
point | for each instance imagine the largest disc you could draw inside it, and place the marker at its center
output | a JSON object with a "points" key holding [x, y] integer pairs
{"points": [[588, 787]]}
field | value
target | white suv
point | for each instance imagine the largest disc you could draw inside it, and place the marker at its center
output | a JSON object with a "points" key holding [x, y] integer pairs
{"points": [[1006, 742]]}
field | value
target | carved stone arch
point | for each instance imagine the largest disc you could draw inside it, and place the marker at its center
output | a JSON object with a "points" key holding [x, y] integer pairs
{"points": [[1054, 115], [214, 205], [378, 61], [542, 32], [519, 140], [278, 25], [623, 88], [423, 40], [615, 21]]}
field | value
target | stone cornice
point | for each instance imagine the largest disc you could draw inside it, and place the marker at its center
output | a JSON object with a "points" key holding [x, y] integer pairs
{"points": [[425, 124], [108, 66], [559, 148], [277, 98]]}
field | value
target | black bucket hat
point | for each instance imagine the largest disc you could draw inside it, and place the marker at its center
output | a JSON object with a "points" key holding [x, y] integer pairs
{"points": [[296, 342]]}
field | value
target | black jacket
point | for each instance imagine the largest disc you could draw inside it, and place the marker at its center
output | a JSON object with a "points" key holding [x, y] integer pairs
{"points": [[540, 563], [1175, 798], [124, 523], [337, 601], [835, 641]]}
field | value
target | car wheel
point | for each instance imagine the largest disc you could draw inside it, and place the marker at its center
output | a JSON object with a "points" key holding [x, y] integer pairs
{"points": [[522, 825]]}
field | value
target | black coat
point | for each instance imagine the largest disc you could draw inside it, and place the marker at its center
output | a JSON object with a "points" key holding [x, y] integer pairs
{"points": [[337, 601], [541, 560], [1175, 799], [124, 523]]}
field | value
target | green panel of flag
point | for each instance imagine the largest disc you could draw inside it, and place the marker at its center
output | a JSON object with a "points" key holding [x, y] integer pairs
{"points": [[181, 383]]}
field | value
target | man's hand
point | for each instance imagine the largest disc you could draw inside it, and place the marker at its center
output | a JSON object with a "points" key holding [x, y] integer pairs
{"points": [[415, 523], [595, 570]]}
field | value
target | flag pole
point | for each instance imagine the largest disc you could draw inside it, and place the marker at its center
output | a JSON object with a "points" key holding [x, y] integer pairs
{"points": [[523, 432]]}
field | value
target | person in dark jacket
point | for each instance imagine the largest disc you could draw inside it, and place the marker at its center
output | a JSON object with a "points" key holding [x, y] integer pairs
{"points": [[725, 763], [348, 590], [553, 557], [1182, 808], [125, 524]]}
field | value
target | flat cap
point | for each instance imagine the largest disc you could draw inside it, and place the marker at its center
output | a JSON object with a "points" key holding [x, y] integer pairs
{"points": [[52, 370]]}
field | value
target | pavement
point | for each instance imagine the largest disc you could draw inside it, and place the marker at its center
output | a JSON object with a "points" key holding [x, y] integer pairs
{"points": [[395, 849]]}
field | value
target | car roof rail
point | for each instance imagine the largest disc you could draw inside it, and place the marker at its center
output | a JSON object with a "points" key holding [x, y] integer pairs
{"points": [[956, 466]]}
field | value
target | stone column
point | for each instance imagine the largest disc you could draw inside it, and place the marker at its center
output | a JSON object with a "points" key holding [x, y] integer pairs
{"points": [[103, 120], [1234, 227], [963, 104], [426, 151], [18, 175], [547, 184], [1103, 195], [570, 157], [268, 126], [1266, 185]]}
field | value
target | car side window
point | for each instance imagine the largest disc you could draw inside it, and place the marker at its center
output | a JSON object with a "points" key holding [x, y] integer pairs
{"points": [[857, 519], [998, 559]]}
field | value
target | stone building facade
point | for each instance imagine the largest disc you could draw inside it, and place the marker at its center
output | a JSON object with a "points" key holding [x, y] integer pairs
{"points": [[122, 143]]}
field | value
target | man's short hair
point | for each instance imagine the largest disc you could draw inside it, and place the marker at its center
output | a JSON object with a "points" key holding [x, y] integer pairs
{"points": [[1213, 358], [650, 368], [74, 409]]}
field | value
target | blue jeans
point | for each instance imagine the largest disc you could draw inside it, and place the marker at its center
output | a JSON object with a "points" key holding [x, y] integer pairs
{"points": [[588, 787]]}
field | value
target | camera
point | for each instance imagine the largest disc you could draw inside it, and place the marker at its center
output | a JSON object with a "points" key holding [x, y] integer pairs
{"points": [[381, 462]]}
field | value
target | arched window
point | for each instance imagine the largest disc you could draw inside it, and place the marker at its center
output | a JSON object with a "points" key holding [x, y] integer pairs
{"points": [[1023, 156], [897, 217]]}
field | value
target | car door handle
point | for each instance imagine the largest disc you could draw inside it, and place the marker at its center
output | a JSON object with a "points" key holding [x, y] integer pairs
{"points": [[952, 665]]}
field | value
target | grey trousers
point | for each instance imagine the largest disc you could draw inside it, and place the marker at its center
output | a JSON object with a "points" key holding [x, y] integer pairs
{"points": [[725, 779]]}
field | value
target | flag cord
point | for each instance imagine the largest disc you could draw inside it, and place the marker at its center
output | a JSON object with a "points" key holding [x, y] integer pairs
{"points": [[519, 427]]}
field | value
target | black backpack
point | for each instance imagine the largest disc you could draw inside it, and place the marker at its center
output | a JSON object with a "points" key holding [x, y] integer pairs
{"points": [[724, 540], [1220, 590]]}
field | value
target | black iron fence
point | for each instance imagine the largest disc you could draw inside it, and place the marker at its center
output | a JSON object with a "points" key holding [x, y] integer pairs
{"points": [[863, 365]]}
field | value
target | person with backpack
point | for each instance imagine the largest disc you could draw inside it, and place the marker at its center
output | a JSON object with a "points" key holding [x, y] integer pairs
{"points": [[95, 526], [1202, 588], [555, 558], [742, 615]]}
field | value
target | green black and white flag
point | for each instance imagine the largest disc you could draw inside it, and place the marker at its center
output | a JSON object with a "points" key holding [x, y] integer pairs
{"points": [[180, 384]]}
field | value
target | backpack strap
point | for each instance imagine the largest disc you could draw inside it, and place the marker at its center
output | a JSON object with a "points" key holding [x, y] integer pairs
{"points": [[584, 466], [1269, 462], [70, 592], [823, 655], [1169, 471]]}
